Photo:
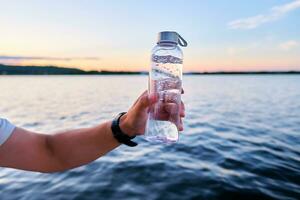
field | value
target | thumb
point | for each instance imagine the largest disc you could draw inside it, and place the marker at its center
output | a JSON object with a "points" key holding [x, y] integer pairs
{"points": [[145, 101]]}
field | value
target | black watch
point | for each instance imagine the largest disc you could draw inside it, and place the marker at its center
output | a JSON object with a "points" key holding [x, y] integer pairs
{"points": [[119, 134]]}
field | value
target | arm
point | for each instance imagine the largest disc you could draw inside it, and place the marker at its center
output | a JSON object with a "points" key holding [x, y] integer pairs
{"points": [[56, 152], [65, 150]]}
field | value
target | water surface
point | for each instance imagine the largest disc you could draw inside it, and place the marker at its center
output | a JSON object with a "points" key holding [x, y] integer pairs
{"points": [[241, 138]]}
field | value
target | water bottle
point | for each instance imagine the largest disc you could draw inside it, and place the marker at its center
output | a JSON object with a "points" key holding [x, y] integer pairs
{"points": [[165, 81]]}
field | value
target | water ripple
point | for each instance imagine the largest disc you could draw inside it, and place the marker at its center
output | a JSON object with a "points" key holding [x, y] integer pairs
{"points": [[241, 139]]}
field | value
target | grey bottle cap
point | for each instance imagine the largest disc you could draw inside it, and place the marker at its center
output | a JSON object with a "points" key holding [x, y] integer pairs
{"points": [[171, 37]]}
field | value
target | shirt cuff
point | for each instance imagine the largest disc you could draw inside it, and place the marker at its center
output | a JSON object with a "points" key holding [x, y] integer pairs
{"points": [[6, 129]]}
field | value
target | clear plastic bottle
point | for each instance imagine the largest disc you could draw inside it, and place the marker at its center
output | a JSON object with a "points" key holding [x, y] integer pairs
{"points": [[165, 81]]}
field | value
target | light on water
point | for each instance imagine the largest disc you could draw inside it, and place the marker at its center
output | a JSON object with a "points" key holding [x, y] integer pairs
{"points": [[241, 138]]}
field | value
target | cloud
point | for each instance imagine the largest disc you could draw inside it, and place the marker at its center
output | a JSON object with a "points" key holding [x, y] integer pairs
{"points": [[23, 58], [288, 45], [275, 13]]}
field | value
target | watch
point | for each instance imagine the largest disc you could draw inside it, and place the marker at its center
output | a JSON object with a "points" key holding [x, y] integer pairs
{"points": [[119, 134]]}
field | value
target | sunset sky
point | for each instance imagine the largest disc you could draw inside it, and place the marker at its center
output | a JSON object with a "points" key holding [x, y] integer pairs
{"points": [[223, 35]]}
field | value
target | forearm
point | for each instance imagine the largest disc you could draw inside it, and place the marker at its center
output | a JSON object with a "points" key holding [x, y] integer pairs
{"points": [[78, 147], [32, 151]]}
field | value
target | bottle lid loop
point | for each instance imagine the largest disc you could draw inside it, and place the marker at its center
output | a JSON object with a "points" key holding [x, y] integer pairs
{"points": [[181, 41]]}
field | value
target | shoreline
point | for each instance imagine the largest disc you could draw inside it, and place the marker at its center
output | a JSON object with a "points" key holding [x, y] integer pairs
{"points": [[54, 70]]}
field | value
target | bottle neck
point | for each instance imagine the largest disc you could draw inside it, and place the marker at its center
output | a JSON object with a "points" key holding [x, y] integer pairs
{"points": [[167, 44]]}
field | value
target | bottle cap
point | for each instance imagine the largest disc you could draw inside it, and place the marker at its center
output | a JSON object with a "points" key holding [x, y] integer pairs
{"points": [[171, 37]]}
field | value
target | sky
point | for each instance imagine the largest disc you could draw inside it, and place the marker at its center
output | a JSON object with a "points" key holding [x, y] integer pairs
{"points": [[222, 35]]}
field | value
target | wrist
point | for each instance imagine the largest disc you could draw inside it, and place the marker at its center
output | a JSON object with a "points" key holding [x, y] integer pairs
{"points": [[126, 127]]}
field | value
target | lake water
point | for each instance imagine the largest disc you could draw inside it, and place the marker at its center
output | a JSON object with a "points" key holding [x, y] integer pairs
{"points": [[241, 138]]}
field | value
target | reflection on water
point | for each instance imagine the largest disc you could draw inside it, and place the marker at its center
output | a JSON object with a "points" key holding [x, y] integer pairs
{"points": [[241, 139]]}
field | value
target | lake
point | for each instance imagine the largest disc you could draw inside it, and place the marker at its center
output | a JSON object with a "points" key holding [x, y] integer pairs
{"points": [[241, 138]]}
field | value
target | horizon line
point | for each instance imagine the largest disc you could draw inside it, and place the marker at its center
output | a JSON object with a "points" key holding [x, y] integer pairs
{"points": [[146, 71]]}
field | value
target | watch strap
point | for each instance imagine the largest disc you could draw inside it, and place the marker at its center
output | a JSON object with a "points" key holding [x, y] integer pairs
{"points": [[119, 134]]}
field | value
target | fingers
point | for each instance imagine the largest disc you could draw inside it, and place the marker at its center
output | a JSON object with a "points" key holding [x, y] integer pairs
{"points": [[169, 112], [180, 126], [171, 108], [182, 110], [182, 114], [145, 100], [145, 92]]}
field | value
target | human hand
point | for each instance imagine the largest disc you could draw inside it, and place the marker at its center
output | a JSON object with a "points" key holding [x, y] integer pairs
{"points": [[134, 121]]}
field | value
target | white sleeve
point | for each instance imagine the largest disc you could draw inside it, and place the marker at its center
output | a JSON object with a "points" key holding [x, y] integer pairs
{"points": [[6, 129]]}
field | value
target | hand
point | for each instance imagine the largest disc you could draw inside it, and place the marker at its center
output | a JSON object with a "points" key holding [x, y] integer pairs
{"points": [[134, 121]]}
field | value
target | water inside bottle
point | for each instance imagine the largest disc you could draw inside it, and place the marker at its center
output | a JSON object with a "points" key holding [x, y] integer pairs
{"points": [[164, 114]]}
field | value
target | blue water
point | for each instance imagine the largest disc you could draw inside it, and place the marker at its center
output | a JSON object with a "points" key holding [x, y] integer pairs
{"points": [[241, 138]]}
